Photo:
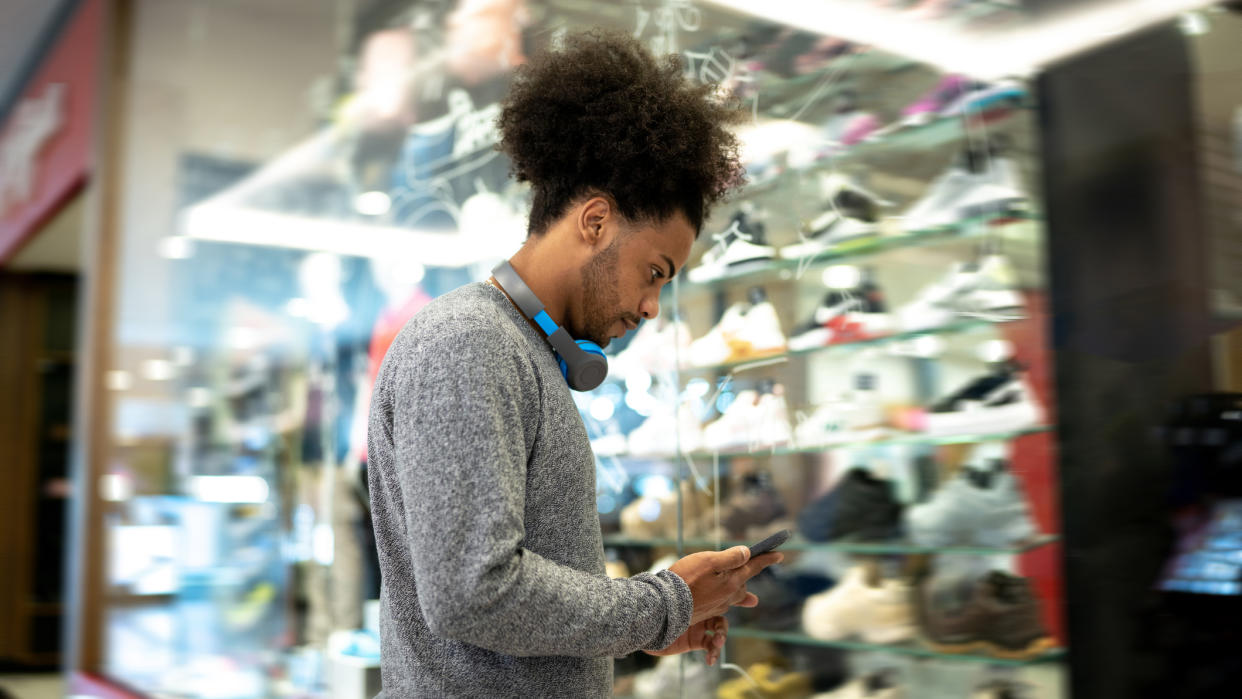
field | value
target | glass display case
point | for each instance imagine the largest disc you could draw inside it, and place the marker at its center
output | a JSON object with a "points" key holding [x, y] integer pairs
{"points": [[867, 347]]}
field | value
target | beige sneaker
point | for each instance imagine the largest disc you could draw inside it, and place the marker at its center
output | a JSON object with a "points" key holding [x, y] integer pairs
{"points": [[864, 605]]}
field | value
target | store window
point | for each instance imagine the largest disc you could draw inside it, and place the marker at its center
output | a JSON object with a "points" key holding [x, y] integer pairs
{"points": [[867, 348]]}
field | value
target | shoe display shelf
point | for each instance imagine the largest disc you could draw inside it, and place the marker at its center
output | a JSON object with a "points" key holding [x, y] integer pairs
{"points": [[909, 141], [876, 548], [910, 439], [911, 649], [956, 328]]}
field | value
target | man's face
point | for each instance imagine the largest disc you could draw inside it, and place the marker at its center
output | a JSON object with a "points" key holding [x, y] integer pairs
{"points": [[621, 284]]}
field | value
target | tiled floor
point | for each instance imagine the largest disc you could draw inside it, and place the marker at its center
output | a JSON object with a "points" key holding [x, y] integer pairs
{"points": [[33, 686]]}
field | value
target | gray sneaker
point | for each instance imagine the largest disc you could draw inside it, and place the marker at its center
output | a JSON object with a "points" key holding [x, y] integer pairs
{"points": [[983, 506]]}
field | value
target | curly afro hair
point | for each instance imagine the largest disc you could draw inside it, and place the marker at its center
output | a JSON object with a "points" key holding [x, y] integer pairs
{"points": [[606, 116]]}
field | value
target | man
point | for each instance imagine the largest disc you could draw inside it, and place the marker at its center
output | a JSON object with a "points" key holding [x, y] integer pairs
{"points": [[481, 474]]}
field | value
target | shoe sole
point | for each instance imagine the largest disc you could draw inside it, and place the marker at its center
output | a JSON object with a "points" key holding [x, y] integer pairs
{"points": [[1033, 649]]}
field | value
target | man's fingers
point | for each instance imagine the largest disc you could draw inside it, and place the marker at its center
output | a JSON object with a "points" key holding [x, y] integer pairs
{"points": [[730, 559], [750, 600], [758, 563]]}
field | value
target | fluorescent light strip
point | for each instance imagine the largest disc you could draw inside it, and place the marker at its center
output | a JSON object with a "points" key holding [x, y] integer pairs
{"points": [[987, 54], [238, 224]]}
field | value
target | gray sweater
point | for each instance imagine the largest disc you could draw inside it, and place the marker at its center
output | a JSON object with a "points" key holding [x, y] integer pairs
{"points": [[483, 501]]}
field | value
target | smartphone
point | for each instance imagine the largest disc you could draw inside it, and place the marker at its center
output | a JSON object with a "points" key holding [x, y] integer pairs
{"points": [[770, 543]]}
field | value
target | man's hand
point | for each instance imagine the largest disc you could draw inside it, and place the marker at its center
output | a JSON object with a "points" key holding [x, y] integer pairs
{"points": [[717, 579], [709, 635]]}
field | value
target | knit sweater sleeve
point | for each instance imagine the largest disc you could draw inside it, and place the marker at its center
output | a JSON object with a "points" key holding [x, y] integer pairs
{"points": [[462, 432]]}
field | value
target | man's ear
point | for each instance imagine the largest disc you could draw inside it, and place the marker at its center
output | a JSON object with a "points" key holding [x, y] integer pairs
{"points": [[596, 221]]}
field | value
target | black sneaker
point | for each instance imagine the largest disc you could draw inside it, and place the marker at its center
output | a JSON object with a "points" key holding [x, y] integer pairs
{"points": [[861, 507]]}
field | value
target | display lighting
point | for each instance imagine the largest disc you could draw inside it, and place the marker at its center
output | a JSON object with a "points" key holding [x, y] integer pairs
{"points": [[119, 380], [602, 408], [229, 489], [198, 397], [372, 203], [176, 247], [1028, 46], [842, 277], [157, 370], [995, 350]]}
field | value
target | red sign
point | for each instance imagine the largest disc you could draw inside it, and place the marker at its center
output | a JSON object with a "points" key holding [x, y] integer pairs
{"points": [[45, 141]]}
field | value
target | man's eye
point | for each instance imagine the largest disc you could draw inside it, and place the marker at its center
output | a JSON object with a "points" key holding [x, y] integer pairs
{"points": [[656, 273]]}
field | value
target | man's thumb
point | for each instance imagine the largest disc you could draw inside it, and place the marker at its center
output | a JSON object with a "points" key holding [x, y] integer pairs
{"points": [[730, 559]]}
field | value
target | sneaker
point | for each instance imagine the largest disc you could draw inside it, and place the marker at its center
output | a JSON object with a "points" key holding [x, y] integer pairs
{"points": [[863, 605], [861, 507], [766, 681], [850, 213], [984, 290], [988, 102], [653, 349], [997, 614], [983, 506], [656, 436], [753, 508], [759, 333], [783, 595], [932, 104], [732, 429], [754, 420], [655, 517], [742, 244], [714, 348], [1000, 401], [858, 416], [771, 428], [845, 315], [979, 183], [875, 685]]}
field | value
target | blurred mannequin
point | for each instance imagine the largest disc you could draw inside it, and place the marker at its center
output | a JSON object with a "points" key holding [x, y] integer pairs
{"points": [[400, 281]]}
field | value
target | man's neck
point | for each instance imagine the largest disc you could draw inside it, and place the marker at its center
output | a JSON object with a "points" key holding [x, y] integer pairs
{"points": [[543, 276]]}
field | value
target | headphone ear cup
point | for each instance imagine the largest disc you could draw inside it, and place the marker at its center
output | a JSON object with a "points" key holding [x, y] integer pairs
{"points": [[589, 370]]}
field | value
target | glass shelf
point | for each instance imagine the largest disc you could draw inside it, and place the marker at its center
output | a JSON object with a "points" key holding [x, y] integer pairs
{"points": [[859, 547], [766, 271], [959, 327], [931, 440], [906, 141], [902, 649]]}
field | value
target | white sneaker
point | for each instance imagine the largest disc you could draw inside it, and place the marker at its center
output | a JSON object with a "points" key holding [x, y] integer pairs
{"points": [[845, 316], [984, 185], [771, 428], [741, 244], [732, 429], [758, 335], [878, 611], [656, 436], [850, 213], [997, 402], [714, 348], [652, 350], [854, 417], [984, 290]]}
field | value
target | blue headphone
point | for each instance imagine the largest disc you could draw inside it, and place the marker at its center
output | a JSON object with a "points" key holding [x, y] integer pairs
{"points": [[582, 362]]}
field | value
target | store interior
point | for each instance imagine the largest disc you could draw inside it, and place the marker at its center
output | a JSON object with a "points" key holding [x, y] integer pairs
{"points": [[971, 331]]}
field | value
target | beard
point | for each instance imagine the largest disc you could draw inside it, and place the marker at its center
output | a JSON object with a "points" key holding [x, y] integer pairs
{"points": [[600, 297]]}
